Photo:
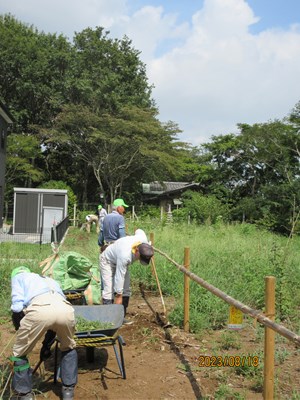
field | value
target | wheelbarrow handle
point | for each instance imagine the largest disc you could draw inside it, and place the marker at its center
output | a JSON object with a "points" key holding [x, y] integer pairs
{"points": [[36, 367]]}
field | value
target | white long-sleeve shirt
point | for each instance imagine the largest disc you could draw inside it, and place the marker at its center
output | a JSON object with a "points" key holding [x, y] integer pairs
{"points": [[121, 255]]}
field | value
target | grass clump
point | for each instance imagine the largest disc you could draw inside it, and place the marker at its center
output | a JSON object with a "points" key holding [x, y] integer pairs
{"points": [[83, 324]]}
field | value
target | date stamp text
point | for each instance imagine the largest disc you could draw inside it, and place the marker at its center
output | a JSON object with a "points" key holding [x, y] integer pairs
{"points": [[228, 361]]}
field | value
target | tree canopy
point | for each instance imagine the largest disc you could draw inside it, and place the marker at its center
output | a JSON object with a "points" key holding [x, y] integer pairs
{"points": [[88, 101], [84, 116]]}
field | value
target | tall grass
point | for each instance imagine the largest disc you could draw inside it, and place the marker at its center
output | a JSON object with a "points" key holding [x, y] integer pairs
{"points": [[235, 259]]}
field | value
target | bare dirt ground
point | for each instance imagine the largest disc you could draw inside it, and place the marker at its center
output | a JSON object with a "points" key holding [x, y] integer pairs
{"points": [[162, 363]]}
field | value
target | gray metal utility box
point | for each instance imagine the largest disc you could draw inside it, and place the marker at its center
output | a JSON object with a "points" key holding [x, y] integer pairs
{"points": [[37, 210]]}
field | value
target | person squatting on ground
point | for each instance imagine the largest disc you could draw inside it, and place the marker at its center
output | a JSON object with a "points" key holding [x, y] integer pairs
{"points": [[90, 220], [39, 308], [113, 226], [114, 266]]}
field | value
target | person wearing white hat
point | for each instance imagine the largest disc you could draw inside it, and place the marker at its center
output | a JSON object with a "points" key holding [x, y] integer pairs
{"points": [[114, 266], [90, 220]]}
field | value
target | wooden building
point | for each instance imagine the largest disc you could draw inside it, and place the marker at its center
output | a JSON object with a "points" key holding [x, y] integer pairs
{"points": [[167, 195]]}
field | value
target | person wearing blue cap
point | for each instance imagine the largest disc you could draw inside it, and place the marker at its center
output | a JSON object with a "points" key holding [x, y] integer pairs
{"points": [[40, 308]]}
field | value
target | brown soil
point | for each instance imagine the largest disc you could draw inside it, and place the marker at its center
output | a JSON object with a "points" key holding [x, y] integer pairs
{"points": [[162, 362]]}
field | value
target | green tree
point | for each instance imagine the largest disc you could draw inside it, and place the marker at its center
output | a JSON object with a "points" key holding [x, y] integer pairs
{"points": [[107, 73], [21, 171], [33, 69], [87, 106], [116, 147], [72, 200], [254, 166]]}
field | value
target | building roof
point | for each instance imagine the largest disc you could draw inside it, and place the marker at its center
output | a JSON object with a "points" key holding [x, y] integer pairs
{"points": [[158, 189], [40, 190]]}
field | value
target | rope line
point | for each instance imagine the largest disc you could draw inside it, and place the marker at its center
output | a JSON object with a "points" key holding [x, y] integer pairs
{"points": [[256, 314], [93, 342], [73, 296]]}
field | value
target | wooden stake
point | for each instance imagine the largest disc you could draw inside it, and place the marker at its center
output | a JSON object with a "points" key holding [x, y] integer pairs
{"points": [[158, 285], [154, 273], [186, 317], [152, 263], [74, 215], [269, 355], [256, 314], [152, 238]]}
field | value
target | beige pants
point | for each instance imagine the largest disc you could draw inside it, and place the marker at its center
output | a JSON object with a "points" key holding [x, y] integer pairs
{"points": [[47, 311], [93, 219], [108, 273]]}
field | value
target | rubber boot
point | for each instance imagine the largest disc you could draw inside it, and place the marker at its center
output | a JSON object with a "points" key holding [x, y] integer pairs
{"points": [[125, 302], [22, 377], [106, 301], [69, 373], [68, 392]]}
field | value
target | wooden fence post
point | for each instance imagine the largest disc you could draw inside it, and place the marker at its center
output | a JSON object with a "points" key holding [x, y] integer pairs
{"points": [[152, 238], [74, 215], [186, 315], [258, 315], [269, 349]]}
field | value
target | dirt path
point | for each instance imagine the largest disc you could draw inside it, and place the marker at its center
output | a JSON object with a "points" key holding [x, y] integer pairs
{"points": [[161, 363]]}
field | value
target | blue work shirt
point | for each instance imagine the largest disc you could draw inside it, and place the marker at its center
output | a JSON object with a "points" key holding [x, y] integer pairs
{"points": [[27, 285], [112, 228]]}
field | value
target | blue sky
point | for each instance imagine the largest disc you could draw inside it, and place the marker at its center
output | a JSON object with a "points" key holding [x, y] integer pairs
{"points": [[213, 63], [273, 13]]}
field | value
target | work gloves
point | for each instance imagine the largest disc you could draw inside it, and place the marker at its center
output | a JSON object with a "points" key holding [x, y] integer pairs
{"points": [[45, 352], [16, 319], [103, 248]]}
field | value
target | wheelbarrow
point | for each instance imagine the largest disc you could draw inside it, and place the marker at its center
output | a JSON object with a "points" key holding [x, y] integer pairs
{"points": [[75, 296], [112, 314]]}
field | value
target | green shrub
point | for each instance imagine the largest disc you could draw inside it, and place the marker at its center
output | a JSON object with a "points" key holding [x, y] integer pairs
{"points": [[204, 209]]}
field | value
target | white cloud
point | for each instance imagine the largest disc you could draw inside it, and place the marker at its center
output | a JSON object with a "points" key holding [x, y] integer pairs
{"points": [[209, 73], [218, 74], [223, 74]]}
